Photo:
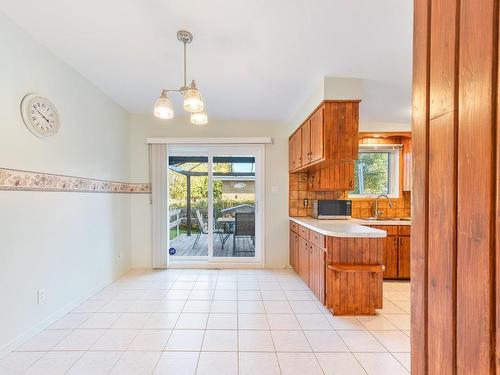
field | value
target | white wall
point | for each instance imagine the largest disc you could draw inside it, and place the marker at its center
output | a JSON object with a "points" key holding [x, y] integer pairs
{"points": [[338, 88], [66, 243], [276, 210]]}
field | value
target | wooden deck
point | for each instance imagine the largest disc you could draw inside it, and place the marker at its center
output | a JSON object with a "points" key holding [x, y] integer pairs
{"points": [[184, 246]]}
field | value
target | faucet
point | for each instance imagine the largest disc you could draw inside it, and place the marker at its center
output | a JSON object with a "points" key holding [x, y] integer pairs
{"points": [[377, 212]]}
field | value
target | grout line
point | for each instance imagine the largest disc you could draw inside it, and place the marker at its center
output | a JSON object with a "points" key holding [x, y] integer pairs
{"points": [[258, 278]]}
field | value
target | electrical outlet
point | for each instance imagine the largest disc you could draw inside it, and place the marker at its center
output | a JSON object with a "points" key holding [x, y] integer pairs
{"points": [[40, 296]]}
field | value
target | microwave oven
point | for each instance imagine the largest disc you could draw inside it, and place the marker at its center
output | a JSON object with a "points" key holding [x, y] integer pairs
{"points": [[332, 209]]}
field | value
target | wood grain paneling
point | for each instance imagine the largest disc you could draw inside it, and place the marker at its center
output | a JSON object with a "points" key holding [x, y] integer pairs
{"points": [[420, 122], [455, 265], [442, 245], [476, 160], [305, 130], [354, 275], [294, 251], [404, 257], [497, 197], [317, 136]]}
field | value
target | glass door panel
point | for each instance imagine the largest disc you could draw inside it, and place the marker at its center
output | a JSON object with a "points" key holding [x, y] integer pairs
{"points": [[188, 189], [234, 201]]}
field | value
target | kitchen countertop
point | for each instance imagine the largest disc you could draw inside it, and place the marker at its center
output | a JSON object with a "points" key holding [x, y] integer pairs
{"points": [[340, 228]]}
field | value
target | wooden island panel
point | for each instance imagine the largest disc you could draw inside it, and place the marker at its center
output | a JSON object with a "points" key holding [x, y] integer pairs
{"points": [[354, 275]]}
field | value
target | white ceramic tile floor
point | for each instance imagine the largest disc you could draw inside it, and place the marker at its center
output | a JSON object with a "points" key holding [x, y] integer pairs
{"points": [[196, 321]]}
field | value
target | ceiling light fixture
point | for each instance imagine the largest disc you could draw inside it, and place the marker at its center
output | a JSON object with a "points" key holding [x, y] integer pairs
{"points": [[193, 102]]}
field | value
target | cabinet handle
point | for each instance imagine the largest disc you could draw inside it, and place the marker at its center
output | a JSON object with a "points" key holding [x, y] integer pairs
{"points": [[394, 240]]}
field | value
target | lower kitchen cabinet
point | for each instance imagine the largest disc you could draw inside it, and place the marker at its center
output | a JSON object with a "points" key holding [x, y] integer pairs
{"points": [[391, 257], [404, 257], [344, 273], [396, 251], [294, 250], [307, 259], [317, 272], [303, 267]]}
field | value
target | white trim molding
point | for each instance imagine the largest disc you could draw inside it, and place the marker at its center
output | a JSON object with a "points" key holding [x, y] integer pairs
{"points": [[211, 141]]}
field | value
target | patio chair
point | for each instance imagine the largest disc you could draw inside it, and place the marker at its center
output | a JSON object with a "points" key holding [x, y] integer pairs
{"points": [[204, 229], [244, 226]]}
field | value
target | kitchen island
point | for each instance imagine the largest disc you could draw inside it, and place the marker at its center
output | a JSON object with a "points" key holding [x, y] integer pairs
{"points": [[341, 261]]}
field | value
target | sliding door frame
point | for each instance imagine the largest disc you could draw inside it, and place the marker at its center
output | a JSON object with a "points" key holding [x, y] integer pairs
{"points": [[211, 150]]}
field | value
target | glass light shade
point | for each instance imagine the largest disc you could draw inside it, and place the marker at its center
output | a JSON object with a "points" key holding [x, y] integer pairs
{"points": [[192, 99], [163, 107], [199, 118]]}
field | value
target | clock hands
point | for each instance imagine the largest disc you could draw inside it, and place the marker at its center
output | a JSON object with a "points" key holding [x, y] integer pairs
{"points": [[46, 119]]}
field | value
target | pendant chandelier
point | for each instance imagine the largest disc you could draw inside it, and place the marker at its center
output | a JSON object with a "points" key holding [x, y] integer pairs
{"points": [[193, 103]]}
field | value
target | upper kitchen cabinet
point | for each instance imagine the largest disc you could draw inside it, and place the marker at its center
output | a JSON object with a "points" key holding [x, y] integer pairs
{"points": [[295, 150], [328, 135]]}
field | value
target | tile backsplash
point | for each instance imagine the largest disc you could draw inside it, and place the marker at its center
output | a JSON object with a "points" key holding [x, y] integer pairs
{"points": [[360, 207]]}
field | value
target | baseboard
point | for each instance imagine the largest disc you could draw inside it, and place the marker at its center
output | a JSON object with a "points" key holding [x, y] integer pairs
{"points": [[24, 337]]}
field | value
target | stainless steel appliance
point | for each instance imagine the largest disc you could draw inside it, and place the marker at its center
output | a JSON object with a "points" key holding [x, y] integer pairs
{"points": [[332, 209]]}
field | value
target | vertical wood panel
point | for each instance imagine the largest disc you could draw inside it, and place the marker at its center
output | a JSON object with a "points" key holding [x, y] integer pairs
{"points": [[442, 189], [497, 195], [455, 250], [442, 246], [475, 163], [420, 116]]}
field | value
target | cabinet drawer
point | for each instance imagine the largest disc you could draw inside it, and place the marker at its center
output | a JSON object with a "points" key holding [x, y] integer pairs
{"points": [[404, 230], [317, 239], [294, 227], [304, 232], [392, 230]]}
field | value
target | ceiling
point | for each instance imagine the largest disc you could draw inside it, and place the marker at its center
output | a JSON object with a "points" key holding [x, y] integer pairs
{"points": [[258, 59]]}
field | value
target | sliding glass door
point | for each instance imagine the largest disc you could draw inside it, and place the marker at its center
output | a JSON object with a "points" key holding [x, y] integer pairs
{"points": [[214, 198], [188, 204], [234, 205]]}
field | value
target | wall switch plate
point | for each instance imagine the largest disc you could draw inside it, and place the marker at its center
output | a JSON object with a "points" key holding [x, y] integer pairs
{"points": [[40, 296], [275, 189]]}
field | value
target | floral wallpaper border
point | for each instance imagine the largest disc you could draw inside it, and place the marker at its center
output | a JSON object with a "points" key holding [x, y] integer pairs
{"points": [[14, 179]]}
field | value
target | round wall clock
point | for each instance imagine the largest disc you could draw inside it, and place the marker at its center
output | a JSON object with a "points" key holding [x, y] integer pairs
{"points": [[40, 115]]}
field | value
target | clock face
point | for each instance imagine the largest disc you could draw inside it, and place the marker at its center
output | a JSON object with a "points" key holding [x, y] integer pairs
{"points": [[40, 115]]}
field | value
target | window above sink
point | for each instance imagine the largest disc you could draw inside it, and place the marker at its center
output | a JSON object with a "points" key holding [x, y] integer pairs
{"points": [[376, 171]]}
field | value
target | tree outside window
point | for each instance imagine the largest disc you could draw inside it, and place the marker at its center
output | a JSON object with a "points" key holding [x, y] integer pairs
{"points": [[372, 173]]}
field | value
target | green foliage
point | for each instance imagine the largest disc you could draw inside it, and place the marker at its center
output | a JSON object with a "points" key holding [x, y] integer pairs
{"points": [[199, 184], [199, 191], [373, 167]]}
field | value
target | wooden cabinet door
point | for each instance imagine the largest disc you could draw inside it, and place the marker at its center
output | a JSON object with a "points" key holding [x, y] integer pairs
{"points": [[291, 160], [306, 142], [316, 136], [310, 281], [322, 276], [319, 273], [304, 260], [404, 257], [295, 150], [294, 250], [391, 257]]}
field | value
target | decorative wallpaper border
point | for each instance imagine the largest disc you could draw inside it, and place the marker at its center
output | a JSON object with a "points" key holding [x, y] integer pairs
{"points": [[14, 179]]}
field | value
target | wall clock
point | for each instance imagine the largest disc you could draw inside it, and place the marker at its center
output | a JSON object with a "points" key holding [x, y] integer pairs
{"points": [[40, 115]]}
